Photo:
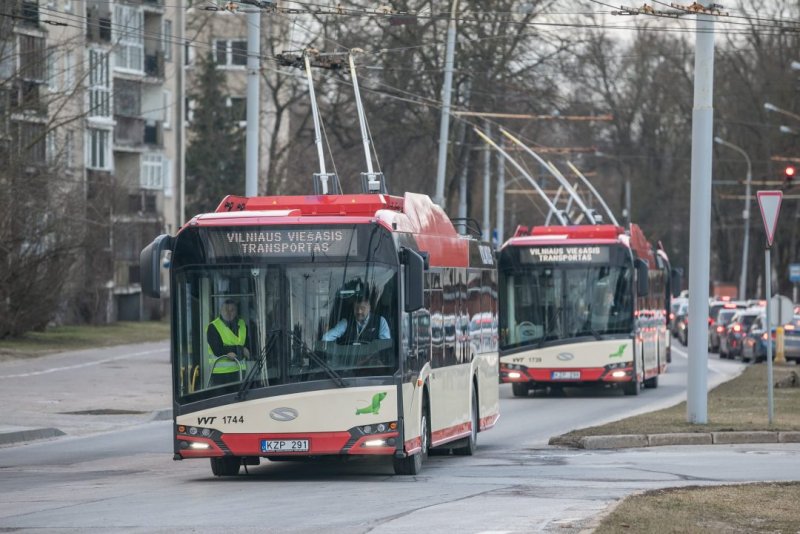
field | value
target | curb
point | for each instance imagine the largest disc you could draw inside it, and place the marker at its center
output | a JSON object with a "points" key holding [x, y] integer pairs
{"points": [[625, 441], [29, 434], [162, 415]]}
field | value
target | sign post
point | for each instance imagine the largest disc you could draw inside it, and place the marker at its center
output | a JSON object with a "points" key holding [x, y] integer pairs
{"points": [[770, 204]]}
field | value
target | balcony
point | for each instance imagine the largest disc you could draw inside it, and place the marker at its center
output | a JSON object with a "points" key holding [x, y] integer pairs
{"points": [[154, 65], [136, 133]]}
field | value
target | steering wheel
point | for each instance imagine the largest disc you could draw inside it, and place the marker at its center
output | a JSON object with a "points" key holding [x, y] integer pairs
{"points": [[525, 325]]}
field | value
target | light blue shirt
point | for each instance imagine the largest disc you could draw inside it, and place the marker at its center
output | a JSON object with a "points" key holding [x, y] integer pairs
{"points": [[338, 331]]}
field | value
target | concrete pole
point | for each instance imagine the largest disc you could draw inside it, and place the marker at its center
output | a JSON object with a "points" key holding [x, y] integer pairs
{"points": [[253, 75], [444, 124], [501, 198], [487, 188], [180, 70], [700, 223]]}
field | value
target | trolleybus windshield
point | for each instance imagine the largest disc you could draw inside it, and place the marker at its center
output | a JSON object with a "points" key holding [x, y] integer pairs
{"points": [[300, 317], [561, 299]]}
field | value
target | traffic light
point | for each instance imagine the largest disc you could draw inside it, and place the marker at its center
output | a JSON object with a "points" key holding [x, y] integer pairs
{"points": [[788, 176]]}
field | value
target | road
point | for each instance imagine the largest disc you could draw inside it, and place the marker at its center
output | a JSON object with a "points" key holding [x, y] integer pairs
{"points": [[125, 480]]}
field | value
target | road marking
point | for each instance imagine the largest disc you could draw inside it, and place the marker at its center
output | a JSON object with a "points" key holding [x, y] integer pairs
{"points": [[80, 365]]}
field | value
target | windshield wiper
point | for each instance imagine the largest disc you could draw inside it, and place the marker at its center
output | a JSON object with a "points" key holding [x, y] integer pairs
{"points": [[319, 361], [254, 372]]}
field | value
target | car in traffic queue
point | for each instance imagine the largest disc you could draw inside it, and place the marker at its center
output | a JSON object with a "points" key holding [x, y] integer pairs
{"points": [[791, 339], [715, 307], [682, 322], [718, 329], [730, 343], [674, 308]]}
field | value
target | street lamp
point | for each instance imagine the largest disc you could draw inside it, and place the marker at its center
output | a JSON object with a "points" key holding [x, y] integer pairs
{"points": [[776, 109], [745, 214]]}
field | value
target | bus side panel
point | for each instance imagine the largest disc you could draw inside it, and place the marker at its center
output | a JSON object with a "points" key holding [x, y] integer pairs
{"points": [[450, 403], [488, 389]]}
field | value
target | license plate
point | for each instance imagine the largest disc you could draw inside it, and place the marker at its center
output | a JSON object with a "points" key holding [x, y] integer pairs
{"points": [[566, 375], [284, 445]]}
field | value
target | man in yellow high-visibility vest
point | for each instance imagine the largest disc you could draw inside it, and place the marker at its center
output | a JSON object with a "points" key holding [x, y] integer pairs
{"points": [[228, 335]]}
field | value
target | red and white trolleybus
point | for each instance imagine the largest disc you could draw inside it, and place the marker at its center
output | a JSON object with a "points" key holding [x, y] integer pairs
{"points": [[583, 305], [295, 267]]}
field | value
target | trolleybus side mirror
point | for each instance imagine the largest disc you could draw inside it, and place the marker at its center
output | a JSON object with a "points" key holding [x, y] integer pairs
{"points": [[414, 274], [676, 280], [642, 285], [150, 265]]}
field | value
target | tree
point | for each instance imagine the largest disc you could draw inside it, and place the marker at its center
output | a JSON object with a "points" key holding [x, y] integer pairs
{"points": [[215, 156]]}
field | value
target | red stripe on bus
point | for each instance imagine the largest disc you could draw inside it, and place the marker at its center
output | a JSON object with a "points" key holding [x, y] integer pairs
{"points": [[488, 422], [451, 433], [588, 374]]}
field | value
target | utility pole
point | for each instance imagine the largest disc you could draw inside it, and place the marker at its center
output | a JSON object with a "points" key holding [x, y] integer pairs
{"points": [[253, 71], [700, 218], [444, 124], [487, 173]]}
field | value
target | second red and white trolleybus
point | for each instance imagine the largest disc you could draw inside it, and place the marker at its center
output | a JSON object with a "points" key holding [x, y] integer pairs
{"points": [[583, 305]]}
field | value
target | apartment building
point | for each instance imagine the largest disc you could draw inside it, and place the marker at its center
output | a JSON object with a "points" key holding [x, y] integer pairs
{"points": [[98, 85]]}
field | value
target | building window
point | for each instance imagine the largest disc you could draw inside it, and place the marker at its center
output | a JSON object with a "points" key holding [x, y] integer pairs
{"points": [[167, 40], [188, 54], [129, 28], [230, 53], [99, 84], [52, 73], [152, 175], [69, 71], [169, 189], [98, 149], [32, 141]]}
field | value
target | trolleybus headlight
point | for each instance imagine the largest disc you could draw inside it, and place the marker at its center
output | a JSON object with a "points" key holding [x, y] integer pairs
{"points": [[381, 428], [514, 374], [198, 445], [618, 374], [375, 443], [193, 430], [367, 429], [206, 432]]}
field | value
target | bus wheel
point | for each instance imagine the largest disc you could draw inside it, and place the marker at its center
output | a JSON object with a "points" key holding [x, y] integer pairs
{"points": [[472, 440], [520, 389], [412, 465], [651, 383], [226, 466], [633, 387]]}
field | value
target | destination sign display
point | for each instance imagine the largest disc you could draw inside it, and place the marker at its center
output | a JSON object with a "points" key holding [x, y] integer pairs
{"points": [[249, 243], [566, 254]]}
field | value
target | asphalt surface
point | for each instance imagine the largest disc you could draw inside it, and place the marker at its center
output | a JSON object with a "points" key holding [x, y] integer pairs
{"points": [[84, 392]]}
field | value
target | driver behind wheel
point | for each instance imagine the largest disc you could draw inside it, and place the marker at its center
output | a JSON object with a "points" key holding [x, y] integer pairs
{"points": [[362, 327]]}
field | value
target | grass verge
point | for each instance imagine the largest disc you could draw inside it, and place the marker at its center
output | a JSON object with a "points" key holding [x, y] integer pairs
{"points": [[737, 405], [763, 507], [64, 338]]}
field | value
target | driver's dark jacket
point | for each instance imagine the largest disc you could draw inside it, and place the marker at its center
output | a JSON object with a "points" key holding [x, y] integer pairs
{"points": [[370, 332]]}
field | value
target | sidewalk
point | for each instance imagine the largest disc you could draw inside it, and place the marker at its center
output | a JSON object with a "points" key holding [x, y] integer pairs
{"points": [[84, 392]]}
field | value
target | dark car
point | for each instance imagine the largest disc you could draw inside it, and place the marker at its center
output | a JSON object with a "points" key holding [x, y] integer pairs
{"points": [[715, 308], [717, 329], [754, 344], [674, 309], [730, 344], [682, 321]]}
